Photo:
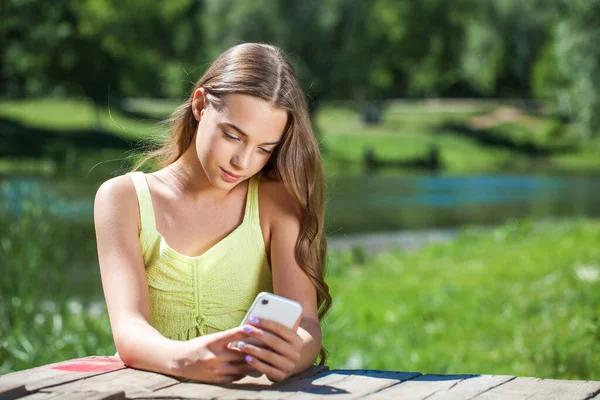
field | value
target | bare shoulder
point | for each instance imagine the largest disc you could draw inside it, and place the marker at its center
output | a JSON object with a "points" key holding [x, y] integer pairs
{"points": [[277, 201], [116, 190], [116, 197]]}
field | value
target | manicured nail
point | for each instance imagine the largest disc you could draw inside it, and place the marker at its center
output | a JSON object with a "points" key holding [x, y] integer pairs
{"points": [[241, 345], [247, 329], [249, 358], [253, 320]]}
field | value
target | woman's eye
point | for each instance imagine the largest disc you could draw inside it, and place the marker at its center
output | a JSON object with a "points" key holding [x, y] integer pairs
{"points": [[265, 151], [230, 137]]}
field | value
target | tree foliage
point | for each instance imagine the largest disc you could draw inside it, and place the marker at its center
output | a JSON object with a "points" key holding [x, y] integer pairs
{"points": [[576, 51], [342, 49]]}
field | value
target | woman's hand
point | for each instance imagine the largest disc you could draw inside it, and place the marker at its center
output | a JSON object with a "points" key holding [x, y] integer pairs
{"points": [[208, 359], [281, 352]]}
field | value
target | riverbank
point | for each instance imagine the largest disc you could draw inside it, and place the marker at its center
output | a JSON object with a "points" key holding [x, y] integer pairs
{"points": [[378, 242]]}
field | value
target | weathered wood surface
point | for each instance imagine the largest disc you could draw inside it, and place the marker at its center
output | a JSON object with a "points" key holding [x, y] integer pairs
{"points": [[106, 378]]}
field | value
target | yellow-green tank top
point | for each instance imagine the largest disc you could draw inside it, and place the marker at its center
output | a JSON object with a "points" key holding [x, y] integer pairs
{"points": [[195, 296]]}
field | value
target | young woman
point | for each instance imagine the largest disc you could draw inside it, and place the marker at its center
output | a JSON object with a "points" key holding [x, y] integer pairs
{"points": [[237, 208]]}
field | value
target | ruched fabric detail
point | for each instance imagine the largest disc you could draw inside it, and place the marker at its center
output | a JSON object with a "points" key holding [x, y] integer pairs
{"points": [[195, 296]]}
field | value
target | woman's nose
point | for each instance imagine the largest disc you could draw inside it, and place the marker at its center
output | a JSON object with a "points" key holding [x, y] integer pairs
{"points": [[242, 159]]}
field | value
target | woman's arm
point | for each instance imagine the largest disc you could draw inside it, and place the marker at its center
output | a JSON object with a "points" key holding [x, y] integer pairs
{"points": [[116, 219], [289, 280], [288, 351]]}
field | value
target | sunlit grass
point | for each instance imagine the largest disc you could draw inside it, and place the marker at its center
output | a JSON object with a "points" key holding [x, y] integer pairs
{"points": [[51, 306], [521, 299], [75, 114], [404, 136], [409, 133]]}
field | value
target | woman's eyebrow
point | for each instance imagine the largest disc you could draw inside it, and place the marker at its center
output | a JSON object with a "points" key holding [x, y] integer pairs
{"points": [[232, 126]]}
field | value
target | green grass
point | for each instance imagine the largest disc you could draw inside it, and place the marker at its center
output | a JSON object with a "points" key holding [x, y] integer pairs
{"points": [[74, 114], [405, 135], [521, 299], [582, 160], [409, 133], [51, 306]]}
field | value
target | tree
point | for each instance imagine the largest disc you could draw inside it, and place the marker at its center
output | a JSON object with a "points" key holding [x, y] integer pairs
{"points": [[100, 48], [576, 54], [502, 45], [351, 49]]}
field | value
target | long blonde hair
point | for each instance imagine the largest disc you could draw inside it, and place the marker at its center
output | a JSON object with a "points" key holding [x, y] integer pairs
{"points": [[263, 71]]}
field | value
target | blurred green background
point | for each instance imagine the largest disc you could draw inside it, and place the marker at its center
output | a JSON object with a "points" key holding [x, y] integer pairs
{"points": [[461, 141]]}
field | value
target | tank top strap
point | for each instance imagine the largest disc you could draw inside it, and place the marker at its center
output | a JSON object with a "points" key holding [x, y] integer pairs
{"points": [[144, 200], [252, 197]]}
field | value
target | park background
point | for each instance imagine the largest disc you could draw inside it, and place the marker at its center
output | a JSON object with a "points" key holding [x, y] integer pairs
{"points": [[461, 141]]}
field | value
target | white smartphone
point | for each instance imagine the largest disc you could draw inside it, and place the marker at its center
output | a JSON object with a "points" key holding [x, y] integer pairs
{"points": [[275, 308], [272, 307]]}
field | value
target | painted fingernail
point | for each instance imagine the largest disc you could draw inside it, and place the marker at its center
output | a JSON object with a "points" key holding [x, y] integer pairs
{"points": [[247, 329], [242, 345], [248, 358], [253, 320]]}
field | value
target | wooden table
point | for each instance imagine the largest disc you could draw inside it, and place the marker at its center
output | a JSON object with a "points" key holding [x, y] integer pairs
{"points": [[96, 378]]}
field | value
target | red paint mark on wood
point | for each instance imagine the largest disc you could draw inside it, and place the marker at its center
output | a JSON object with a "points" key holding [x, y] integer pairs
{"points": [[90, 366]]}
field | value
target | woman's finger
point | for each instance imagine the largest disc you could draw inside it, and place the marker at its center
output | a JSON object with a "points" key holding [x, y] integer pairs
{"points": [[266, 355], [234, 369], [270, 340], [230, 356], [222, 339], [274, 374], [282, 331]]}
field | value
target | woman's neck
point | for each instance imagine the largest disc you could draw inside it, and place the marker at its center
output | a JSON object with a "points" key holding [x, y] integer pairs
{"points": [[186, 177]]}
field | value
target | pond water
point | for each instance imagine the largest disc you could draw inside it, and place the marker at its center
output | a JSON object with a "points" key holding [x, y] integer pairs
{"points": [[373, 202], [398, 202]]}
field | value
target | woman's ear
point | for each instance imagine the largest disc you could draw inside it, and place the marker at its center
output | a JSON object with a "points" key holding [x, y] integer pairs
{"points": [[198, 103]]}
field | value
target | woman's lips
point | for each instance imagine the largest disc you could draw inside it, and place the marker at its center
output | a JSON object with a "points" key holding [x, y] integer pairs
{"points": [[228, 176]]}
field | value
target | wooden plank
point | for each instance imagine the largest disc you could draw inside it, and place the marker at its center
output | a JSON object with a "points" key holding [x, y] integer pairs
{"points": [[420, 387], [283, 391], [354, 385], [436, 387], [311, 384], [12, 390], [135, 383], [317, 369], [248, 387], [75, 396], [533, 388], [264, 390], [66, 371], [471, 387], [185, 390]]}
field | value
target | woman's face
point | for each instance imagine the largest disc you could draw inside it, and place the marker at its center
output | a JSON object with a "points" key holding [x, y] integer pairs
{"points": [[235, 143]]}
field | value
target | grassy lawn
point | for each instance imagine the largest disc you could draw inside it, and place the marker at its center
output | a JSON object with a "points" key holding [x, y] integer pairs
{"points": [[521, 299], [411, 133], [72, 114]]}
